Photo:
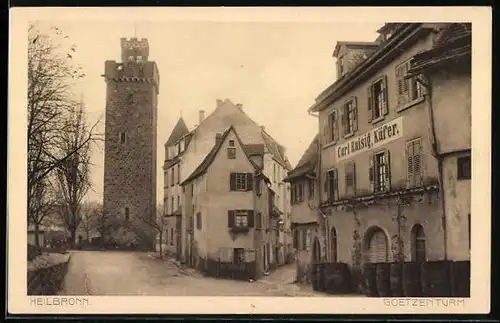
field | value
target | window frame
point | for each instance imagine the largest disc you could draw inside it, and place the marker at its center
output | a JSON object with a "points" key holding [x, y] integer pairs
{"points": [[331, 185], [378, 105], [244, 181], [350, 178], [413, 177], [231, 152], [241, 214], [239, 255], [377, 187], [333, 127], [407, 86], [349, 114], [464, 174]]}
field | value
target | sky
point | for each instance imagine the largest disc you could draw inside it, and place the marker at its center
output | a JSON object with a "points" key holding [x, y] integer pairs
{"points": [[274, 69]]}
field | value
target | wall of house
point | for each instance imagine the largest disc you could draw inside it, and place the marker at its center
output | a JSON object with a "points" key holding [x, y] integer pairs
{"points": [[170, 190], [219, 200], [261, 238], [451, 103], [306, 210], [457, 194], [170, 235], [414, 125], [203, 139], [424, 210], [304, 251]]}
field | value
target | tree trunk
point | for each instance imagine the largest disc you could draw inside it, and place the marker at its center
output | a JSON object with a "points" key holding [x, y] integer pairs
{"points": [[161, 244], [72, 238], [37, 241]]}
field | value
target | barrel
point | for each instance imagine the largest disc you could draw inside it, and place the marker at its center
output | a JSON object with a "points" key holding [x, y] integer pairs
{"points": [[412, 285], [396, 279], [436, 278], [337, 278], [383, 273], [460, 278], [369, 279]]}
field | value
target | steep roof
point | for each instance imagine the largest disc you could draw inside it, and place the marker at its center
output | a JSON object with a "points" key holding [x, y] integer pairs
{"points": [[307, 162], [180, 129], [363, 44], [205, 164]]}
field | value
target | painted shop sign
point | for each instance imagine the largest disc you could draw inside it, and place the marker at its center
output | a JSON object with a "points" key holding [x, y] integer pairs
{"points": [[374, 138]]}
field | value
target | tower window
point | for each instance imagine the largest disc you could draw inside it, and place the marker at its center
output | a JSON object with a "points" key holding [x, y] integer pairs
{"points": [[127, 213], [122, 137]]}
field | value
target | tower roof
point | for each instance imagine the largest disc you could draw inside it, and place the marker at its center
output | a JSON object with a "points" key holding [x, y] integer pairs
{"points": [[180, 130]]}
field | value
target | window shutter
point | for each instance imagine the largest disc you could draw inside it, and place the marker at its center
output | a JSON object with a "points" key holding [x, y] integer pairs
{"points": [[335, 126], [292, 193], [326, 129], [230, 219], [335, 184], [417, 163], [343, 117], [409, 159], [385, 107], [232, 181], [388, 170], [371, 174], [250, 215], [399, 78], [355, 113], [249, 181], [326, 182], [329, 127], [370, 104]]}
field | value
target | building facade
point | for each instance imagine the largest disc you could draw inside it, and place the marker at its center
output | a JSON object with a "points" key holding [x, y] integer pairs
{"points": [[379, 175], [195, 146], [304, 184], [130, 137], [228, 208], [447, 70]]}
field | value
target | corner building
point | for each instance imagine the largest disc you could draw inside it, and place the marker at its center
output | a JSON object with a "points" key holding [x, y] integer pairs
{"points": [[379, 177], [130, 139]]}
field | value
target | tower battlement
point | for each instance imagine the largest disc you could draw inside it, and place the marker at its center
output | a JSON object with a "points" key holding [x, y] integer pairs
{"points": [[134, 49]]}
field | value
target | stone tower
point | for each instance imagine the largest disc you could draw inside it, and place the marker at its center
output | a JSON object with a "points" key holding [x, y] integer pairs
{"points": [[130, 140]]}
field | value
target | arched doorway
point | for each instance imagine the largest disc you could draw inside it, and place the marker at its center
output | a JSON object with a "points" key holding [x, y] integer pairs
{"points": [[418, 243], [333, 245], [376, 246]]}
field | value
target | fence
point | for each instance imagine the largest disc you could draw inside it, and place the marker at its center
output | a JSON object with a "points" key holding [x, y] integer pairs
{"points": [[230, 270]]}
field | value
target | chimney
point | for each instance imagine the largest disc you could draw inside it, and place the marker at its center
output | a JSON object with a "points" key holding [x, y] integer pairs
{"points": [[201, 116], [239, 106], [218, 103]]}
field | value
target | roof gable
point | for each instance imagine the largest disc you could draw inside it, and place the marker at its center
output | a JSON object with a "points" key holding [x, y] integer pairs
{"points": [[205, 164], [180, 129], [307, 162]]}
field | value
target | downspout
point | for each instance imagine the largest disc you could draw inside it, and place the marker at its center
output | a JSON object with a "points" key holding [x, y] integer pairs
{"points": [[439, 159], [320, 194]]}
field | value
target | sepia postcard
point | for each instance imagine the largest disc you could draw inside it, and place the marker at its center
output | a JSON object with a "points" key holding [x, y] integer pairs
{"points": [[271, 160]]}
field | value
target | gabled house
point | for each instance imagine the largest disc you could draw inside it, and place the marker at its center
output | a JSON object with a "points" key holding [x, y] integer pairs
{"points": [[229, 209], [195, 145], [304, 204]]}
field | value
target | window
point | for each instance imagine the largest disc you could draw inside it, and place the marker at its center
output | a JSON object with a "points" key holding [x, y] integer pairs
{"points": [[258, 224], [165, 205], [377, 100], [127, 213], [297, 192], [274, 173], [311, 189], [413, 160], [350, 178], [258, 190], [130, 99], [178, 173], [350, 117], [239, 255], [172, 174], [178, 201], [331, 185], [198, 221], [131, 58], [173, 206], [463, 168], [122, 137], [240, 219], [241, 181], [231, 143], [380, 172], [139, 58], [171, 236], [166, 236], [231, 153], [333, 131], [341, 66], [409, 89], [141, 71], [295, 238], [418, 245], [304, 239], [333, 247]]}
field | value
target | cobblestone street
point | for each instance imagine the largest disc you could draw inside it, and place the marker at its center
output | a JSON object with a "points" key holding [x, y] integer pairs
{"points": [[116, 273]]}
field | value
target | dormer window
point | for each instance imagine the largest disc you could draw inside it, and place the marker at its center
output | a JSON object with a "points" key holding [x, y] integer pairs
{"points": [[341, 66]]}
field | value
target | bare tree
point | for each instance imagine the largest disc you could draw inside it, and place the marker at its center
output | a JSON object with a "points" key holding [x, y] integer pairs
{"points": [[90, 217], [73, 173], [50, 82], [157, 223]]}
